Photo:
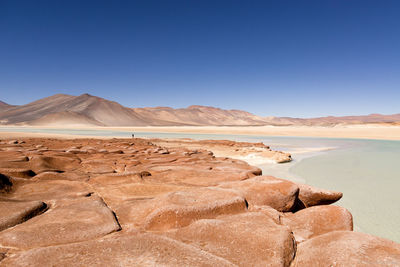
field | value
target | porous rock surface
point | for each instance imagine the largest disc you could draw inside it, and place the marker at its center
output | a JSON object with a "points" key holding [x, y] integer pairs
{"points": [[134, 202]]}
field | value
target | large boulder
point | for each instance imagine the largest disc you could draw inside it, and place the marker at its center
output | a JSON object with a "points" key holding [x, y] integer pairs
{"points": [[346, 248], [178, 209], [312, 196], [318, 220], [266, 190], [65, 221], [118, 250], [246, 239]]}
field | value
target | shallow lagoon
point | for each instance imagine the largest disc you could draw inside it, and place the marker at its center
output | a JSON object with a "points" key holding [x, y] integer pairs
{"points": [[366, 171]]}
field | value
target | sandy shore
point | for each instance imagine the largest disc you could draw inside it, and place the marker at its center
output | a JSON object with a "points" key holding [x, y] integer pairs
{"points": [[340, 131]]}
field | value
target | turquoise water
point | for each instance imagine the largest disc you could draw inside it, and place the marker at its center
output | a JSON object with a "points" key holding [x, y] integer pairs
{"points": [[368, 174], [366, 171]]}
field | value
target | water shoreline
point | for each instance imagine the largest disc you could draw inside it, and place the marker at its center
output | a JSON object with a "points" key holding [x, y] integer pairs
{"points": [[371, 132]]}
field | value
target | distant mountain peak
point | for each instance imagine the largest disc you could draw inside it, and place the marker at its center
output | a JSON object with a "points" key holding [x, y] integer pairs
{"points": [[87, 95]]}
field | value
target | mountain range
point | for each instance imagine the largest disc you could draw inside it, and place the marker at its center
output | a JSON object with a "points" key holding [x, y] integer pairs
{"points": [[88, 110]]}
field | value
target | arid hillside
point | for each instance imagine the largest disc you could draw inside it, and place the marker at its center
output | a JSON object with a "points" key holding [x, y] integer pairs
{"points": [[88, 110]]}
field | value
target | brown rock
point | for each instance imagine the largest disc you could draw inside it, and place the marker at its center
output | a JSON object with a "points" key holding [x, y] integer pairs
{"points": [[318, 220], [97, 166], [47, 190], [346, 248], [65, 221], [71, 175], [21, 173], [16, 212], [246, 239], [268, 211], [53, 163], [177, 209], [18, 159], [180, 208], [116, 178], [311, 196], [227, 148], [12, 159], [266, 190], [117, 250]]}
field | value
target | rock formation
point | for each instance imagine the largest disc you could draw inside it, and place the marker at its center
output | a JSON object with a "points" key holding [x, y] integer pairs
{"points": [[226, 148], [135, 202]]}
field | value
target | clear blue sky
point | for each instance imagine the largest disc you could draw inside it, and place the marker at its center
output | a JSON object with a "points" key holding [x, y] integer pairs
{"points": [[283, 58]]}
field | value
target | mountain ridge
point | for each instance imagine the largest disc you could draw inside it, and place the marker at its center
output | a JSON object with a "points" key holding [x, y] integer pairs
{"points": [[89, 110], [92, 110], [4, 106]]}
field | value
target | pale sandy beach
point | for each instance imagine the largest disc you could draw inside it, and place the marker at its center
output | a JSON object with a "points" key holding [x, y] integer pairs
{"points": [[354, 131]]}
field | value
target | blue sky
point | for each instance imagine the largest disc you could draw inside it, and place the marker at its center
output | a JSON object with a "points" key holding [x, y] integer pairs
{"points": [[272, 58]]}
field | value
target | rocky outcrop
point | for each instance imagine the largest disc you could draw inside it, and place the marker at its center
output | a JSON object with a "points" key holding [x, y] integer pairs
{"points": [[54, 163], [251, 152], [124, 202], [47, 190], [66, 221], [311, 196], [246, 239], [118, 250], [346, 248], [16, 212], [318, 220], [266, 191], [178, 209]]}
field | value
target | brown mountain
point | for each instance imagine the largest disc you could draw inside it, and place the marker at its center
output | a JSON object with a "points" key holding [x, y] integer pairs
{"points": [[331, 120], [86, 109], [4, 106], [200, 115]]}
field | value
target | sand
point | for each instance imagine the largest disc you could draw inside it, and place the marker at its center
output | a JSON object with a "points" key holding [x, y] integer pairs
{"points": [[367, 131]]}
